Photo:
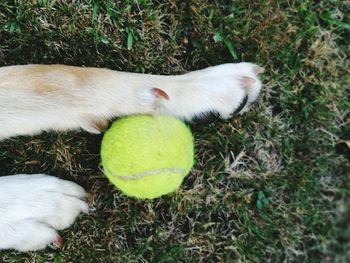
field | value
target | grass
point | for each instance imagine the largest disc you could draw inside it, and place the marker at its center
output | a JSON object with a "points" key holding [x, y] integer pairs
{"points": [[269, 186]]}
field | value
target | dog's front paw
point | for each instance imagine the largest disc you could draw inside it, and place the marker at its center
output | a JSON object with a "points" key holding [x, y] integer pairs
{"points": [[33, 207], [225, 89]]}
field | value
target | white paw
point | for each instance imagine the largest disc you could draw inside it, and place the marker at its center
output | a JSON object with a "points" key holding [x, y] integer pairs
{"points": [[223, 89], [33, 207]]}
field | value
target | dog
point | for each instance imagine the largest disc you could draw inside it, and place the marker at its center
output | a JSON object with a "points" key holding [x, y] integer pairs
{"points": [[36, 98]]}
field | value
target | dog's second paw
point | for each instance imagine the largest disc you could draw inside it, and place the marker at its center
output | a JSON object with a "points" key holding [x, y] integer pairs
{"points": [[33, 207]]}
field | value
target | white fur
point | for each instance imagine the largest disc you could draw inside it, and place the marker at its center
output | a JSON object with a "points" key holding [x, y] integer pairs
{"points": [[32, 207], [70, 101], [35, 98]]}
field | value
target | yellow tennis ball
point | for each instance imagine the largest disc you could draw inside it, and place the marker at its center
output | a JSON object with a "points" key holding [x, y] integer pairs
{"points": [[147, 156]]}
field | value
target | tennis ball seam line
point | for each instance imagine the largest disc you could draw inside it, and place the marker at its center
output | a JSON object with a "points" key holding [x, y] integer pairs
{"points": [[146, 173]]}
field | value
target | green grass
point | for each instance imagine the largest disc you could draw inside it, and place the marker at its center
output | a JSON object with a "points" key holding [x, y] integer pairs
{"points": [[288, 202]]}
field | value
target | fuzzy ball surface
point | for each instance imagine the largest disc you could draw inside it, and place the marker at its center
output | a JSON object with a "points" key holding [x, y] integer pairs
{"points": [[147, 156]]}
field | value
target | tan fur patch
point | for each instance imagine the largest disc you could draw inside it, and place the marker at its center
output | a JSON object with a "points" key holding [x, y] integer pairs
{"points": [[100, 125], [55, 78]]}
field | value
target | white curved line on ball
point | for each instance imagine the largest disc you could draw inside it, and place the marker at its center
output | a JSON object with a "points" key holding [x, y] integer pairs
{"points": [[146, 173]]}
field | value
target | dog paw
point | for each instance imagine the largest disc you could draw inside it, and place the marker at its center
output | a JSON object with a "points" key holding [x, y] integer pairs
{"points": [[33, 207], [224, 89]]}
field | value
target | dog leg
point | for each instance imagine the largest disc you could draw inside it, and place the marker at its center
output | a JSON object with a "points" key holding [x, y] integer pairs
{"points": [[35, 98], [33, 207]]}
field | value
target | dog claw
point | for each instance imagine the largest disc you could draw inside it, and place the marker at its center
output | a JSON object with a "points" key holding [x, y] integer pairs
{"points": [[258, 70], [58, 241], [247, 81], [160, 93]]}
